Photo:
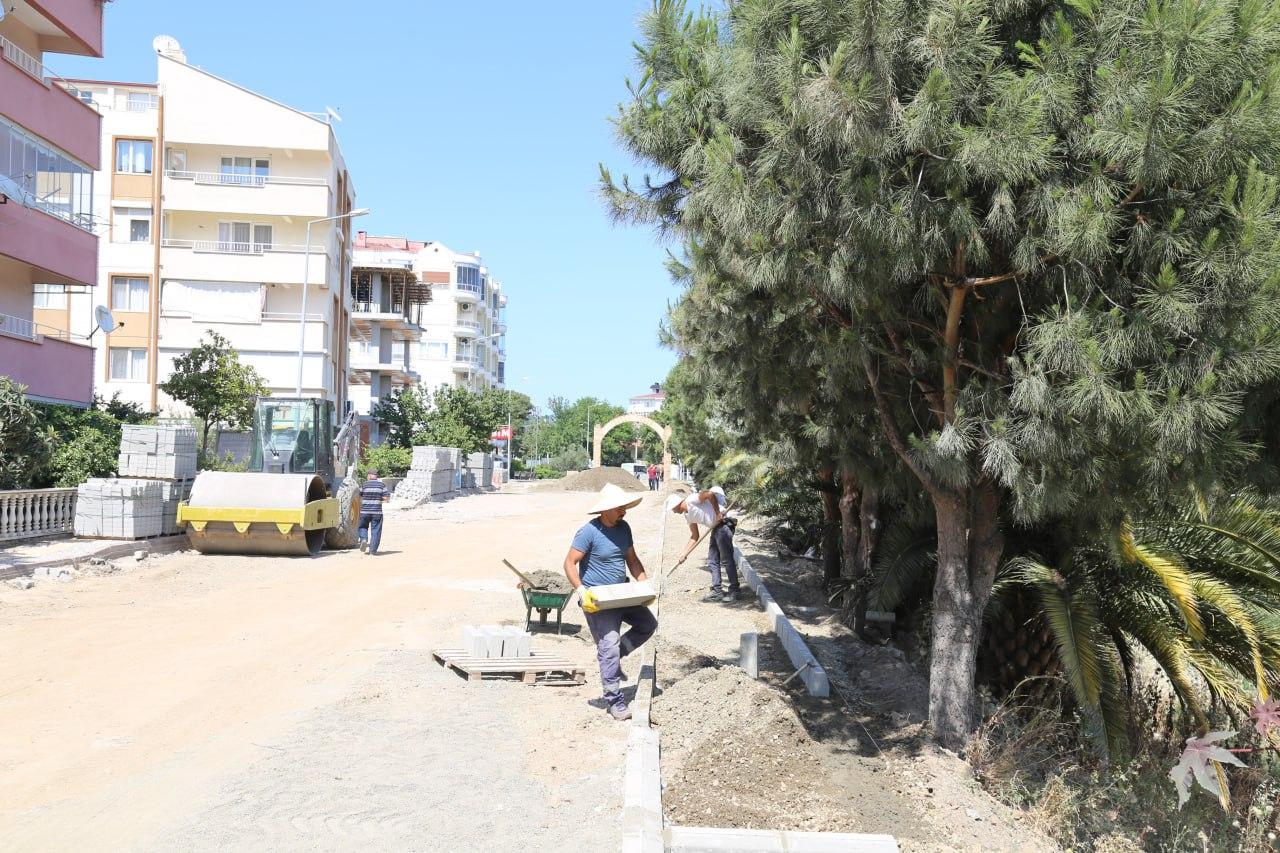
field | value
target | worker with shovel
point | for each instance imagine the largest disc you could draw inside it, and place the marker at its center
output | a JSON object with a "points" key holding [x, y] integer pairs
{"points": [[603, 551], [707, 508]]}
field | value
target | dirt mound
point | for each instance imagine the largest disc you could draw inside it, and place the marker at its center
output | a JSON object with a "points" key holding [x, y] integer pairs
{"points": [[549, 581], [593, 480]]}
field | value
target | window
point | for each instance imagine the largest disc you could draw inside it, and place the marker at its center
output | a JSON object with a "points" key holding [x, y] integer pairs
{"points": [[131, 225], [140, 102], [128, 364], [262, 238], [469, 276], [244, 171], [49, 296], [176, 159], [133, 156], [437, 349], [128, 293], [234, 236], [40, 176], [140, 231]]}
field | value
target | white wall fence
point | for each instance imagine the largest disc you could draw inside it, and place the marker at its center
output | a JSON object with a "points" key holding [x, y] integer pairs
{"points": [[28, 513]]}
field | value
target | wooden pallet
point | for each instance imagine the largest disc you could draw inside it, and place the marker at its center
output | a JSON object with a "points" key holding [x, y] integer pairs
{"points": [[527, 669]]}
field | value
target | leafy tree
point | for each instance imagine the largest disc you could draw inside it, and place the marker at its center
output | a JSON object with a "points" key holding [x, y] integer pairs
{"points": [[1036, 243], [404, 413], [462, 418], [24, 443], [86, 442], [219, 390], [386, 459]]}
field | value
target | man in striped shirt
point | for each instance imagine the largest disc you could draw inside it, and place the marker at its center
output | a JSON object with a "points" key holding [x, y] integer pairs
{"points": [[373, 494]]}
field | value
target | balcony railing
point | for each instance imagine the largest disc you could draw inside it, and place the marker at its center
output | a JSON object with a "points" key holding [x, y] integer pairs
{"points": [[23, 60], [467, 324], [17, 327], [235, 247], [468, 288], [29, 513], [231, 179]]}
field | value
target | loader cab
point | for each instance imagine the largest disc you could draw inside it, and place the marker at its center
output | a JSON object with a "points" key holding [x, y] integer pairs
{"points": [[292, 436]]}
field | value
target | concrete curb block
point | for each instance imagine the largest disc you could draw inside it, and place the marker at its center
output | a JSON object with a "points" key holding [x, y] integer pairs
{"points": [[157, 545], [642, 779], [814, 676], [697, 839]]}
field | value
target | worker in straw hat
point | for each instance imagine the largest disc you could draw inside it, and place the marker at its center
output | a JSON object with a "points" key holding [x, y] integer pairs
{"points": [[602, 552]]}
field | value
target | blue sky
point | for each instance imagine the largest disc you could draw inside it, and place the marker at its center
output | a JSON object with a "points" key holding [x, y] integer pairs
{"points": [[480, 125]]}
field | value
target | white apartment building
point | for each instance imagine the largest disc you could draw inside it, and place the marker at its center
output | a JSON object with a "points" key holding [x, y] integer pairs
{"points": [[206, 191], [450, 330]]}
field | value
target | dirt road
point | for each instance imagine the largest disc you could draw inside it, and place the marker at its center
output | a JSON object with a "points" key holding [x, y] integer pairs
{"points": [[201, 702]]}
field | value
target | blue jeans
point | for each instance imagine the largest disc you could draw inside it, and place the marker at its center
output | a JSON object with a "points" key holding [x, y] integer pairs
{"points": [[720, 552], [611, 648], [370, 528]]}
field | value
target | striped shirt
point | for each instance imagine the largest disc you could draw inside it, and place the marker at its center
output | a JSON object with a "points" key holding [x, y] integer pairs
{"points": [[372, 494]]}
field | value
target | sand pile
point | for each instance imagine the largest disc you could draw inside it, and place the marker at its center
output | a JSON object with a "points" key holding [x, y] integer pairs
{"points": [[593, 480], [547, 581]]}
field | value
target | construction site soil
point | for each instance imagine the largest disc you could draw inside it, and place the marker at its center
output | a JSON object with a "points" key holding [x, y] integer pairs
{"points": [[592, 480], [758, 754], [546, 581]]}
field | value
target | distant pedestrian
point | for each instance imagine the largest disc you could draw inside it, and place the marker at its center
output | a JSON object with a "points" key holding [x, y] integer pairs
{"points": [[707, 508], [653, 478], [602, 552], [373, 494]]}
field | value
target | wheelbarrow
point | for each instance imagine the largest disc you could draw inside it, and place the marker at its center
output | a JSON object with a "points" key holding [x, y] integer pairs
{"points": [[541, 600]]}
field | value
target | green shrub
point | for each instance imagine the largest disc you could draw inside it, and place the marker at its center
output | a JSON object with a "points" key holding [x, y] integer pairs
{"points": [[388, 461], [573, 459], [546, 472], [225, 462]]}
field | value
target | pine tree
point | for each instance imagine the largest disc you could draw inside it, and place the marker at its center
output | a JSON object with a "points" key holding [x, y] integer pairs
{"points": [[1043, 237]]}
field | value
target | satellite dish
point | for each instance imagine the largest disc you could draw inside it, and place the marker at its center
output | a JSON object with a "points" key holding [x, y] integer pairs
{"points": [[103, 318], [165, 44], [332, 113]]}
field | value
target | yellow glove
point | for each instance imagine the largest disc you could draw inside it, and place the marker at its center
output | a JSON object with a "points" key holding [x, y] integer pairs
{"points": [[588, 600]]}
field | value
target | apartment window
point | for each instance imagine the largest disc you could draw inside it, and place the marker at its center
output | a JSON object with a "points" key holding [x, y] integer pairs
{"points": [[469, 276], [175, 159], [437, 349], [128, 364], [245, 171], [234, 236], [140, 102], [129, 293], [262, 238], [133, 156], [49, 296], [40, 176], [132, 224]]}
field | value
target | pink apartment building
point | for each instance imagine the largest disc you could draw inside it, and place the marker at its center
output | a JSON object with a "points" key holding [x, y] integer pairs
{"points": [[49, 149]]}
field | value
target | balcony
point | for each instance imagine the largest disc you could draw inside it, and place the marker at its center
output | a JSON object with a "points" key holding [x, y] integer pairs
{"points": [[214, 260], [79, 20], [47, 110], [261, 195], [54, 370], [62, 253], [365, 314], [466, 293], [466, 328]]}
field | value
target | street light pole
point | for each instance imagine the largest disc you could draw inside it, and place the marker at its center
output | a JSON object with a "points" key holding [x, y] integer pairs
{"points": [[306, 284]]}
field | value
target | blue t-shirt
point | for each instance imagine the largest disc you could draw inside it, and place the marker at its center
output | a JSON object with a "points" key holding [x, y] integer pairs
{"points": [[371, 494], [604, 549]]}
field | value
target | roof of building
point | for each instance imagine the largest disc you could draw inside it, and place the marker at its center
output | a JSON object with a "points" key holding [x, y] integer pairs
{"points": [[658, 396]]}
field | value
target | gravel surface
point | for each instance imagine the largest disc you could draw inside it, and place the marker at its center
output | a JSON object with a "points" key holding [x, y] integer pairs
{"points": [[593, 480]]}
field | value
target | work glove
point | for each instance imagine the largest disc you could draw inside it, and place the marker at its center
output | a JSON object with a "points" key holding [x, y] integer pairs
{"points": [[587, 599]]}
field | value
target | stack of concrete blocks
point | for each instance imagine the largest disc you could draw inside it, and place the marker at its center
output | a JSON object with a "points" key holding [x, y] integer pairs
{"points": [[478, 473], [432, 475], [157, 465], [119, 509], [496, 641]]}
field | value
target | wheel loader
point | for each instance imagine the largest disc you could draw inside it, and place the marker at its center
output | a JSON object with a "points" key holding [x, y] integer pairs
{"points": [[300, 494]]}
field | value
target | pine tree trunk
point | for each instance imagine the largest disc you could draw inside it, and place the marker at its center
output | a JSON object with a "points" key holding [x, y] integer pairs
{"points": [[830, 526], [969, 547], [850, 535]]}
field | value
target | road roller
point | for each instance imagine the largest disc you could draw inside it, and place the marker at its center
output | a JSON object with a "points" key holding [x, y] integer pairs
{"points": [[300, 494]]}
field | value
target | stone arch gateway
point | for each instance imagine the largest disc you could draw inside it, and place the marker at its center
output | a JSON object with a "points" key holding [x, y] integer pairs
{"points": [[664, 433]]}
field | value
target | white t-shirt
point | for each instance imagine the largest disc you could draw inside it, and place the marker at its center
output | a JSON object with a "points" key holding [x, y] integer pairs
{"points": [[704, 512]]}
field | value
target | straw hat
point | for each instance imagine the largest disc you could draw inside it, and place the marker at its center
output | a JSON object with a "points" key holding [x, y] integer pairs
{"points": [[613, 497]]}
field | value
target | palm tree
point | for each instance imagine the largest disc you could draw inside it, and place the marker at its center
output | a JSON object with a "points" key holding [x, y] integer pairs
{"points": [[1198, 591]]}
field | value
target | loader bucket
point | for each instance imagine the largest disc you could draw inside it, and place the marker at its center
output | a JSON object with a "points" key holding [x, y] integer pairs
{"points": [[234, 513]]}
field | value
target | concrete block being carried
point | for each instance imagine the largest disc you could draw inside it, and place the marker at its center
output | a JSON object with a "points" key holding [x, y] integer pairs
{"points": [[615, 595]]}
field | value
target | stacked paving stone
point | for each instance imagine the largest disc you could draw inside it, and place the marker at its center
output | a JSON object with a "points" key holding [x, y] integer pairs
{"points": [[158, 464], [433, 474], [478, 473]]}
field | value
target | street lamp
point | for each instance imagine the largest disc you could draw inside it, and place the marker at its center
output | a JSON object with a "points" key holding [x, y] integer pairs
{"points": [[306, 283]]}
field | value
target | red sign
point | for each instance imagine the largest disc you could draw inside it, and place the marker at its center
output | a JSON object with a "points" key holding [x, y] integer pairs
{"points": [[501, 434]]}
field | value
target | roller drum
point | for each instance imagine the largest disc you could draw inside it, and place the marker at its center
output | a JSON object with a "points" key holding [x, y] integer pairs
{"points": [[241, 498]]}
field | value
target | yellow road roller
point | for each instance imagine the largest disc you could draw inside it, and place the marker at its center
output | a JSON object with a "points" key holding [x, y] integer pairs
{"points": [[300, 495]]}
